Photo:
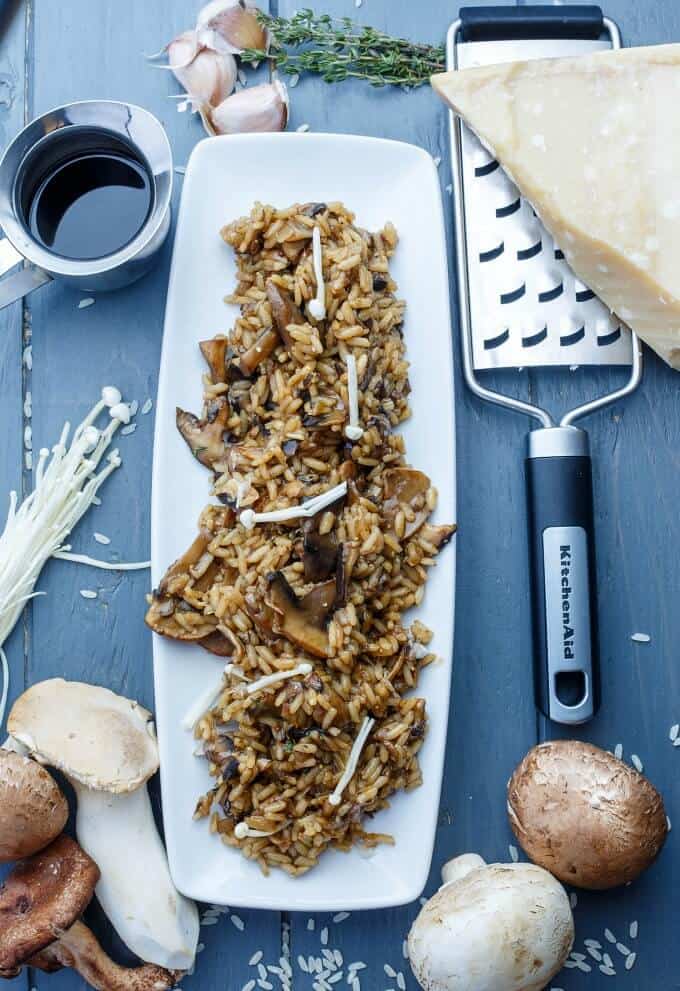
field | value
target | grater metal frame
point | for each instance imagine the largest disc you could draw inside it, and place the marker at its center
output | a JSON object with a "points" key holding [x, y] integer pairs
{"points": [[544, 417]]}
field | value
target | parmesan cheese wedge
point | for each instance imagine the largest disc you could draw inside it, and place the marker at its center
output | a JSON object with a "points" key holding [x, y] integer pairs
{"points": [[593, 142]]}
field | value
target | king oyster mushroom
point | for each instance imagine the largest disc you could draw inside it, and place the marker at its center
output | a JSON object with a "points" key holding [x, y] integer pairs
{"points": [[40, 904], [33, 810], [106, 746], [584, 815], [501, 927]]}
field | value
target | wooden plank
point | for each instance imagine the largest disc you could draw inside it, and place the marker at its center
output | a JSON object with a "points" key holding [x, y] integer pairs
{"points": [[492, 673], [12, 96], [12, 92], [85, 50], [635, 460]]}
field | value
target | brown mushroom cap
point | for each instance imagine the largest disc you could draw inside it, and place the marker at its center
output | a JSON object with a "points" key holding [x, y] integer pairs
{"points": [[33, 810], [585, 816], [42, 896]]}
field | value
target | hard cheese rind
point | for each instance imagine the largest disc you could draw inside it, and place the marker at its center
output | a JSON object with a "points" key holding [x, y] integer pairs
{"points": [[593, 142]]}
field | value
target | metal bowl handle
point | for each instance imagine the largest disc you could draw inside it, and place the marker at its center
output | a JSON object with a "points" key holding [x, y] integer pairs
{"points": [[20, 283]]}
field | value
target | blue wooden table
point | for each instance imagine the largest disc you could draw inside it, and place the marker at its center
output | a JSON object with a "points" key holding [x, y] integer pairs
{"points": [[53, 52]]}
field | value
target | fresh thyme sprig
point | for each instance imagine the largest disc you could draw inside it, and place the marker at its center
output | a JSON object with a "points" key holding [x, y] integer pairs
{"points": [[338, 49]]}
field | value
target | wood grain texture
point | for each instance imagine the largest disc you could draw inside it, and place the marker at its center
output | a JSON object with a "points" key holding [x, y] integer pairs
{"points": [[83, 49], [12, 475]]}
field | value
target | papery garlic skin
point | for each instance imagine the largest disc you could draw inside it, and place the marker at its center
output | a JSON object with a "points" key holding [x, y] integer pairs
{"points": [[229, 26], [255, 109], [207, 77]]}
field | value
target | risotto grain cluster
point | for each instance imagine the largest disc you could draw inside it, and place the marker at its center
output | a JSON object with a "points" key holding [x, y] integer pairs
{"points": [[316, 721]]}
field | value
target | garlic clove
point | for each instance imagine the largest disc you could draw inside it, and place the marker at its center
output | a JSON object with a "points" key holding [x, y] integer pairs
{"points": [[208, 76], [229, 26], [258, 108]]}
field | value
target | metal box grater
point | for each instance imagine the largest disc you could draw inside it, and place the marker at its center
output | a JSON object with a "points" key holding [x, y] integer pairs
{"points": [[521, 305]]}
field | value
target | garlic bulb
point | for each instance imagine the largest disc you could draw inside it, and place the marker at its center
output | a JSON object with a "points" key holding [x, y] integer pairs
{"points": [[229, 26], [208, 77], [258, 108]]}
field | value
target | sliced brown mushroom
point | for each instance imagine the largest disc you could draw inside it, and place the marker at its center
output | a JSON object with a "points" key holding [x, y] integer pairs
{"points": [[195, 564], [33, 810], [405, 487], [79, 949], [43, 895], [437, 535], [215, 353], [205, 437], [216, 643], [347, 558], [302, 621], [284, 312], [319, 550], [263, 347]]}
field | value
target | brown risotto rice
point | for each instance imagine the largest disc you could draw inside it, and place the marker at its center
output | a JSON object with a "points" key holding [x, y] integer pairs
{"points": [[309, 610]]}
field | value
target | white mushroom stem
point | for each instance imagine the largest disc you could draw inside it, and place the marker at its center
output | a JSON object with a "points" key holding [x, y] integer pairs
{"points": [[78, 948], [249, 518], [135, 889], [201, 704], [353, 430], [317, 307], [460, 867], [355, 753], [272, 679], [243, 831], [93, 562]]}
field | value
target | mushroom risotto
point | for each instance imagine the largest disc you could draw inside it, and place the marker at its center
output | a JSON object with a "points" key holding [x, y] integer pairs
{"points": [[319, 543]]}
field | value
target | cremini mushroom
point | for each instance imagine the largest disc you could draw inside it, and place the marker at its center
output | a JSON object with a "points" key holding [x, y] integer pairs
{"points": [[33, 810], [501, 927], [106, 746], [40, 904], [585, 816], [205, 437]]}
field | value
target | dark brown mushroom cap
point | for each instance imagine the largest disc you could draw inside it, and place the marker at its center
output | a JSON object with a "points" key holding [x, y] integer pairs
{"points": [[42, 896], [33, 810], [584, 815]]}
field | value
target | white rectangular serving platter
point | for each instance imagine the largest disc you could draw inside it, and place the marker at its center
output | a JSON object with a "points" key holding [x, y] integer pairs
{"points": [[379, 180]]}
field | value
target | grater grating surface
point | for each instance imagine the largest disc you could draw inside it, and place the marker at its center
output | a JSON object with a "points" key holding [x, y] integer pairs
{"points": [[526, 306]]}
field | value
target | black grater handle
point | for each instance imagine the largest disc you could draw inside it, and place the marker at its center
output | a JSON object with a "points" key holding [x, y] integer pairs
{"points": [[562, 561], [533, 21]]}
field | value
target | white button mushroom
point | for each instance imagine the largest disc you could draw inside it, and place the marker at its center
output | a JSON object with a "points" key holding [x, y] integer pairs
{"points": [[106, 746], [584, 815], [501, 927]]}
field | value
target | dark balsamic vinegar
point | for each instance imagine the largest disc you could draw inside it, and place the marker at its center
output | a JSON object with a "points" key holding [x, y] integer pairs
{"points": [[91, 205]]}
